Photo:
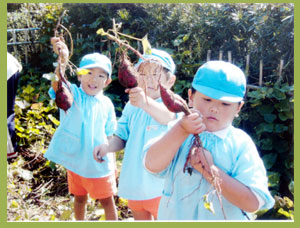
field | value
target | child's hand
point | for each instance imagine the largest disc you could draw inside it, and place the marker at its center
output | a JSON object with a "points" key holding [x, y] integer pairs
{"points": [[137, 97], [201, 160], [60, 47], [193, 123], [99, 152]]}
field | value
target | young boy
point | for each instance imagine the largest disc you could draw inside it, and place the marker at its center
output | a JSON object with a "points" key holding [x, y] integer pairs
{"points": [[90, 121], [229, 160], [142, 119]]}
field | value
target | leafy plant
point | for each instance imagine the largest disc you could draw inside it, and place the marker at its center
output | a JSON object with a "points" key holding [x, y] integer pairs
{"points": [[268, 117], [187, 32]]}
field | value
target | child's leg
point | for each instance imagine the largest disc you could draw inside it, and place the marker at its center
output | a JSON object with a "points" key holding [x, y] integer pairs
{"points": [[80, 194], [79, 207], [109, 207]]}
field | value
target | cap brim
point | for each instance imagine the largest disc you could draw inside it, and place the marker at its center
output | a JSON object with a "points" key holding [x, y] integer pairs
{"points": [[95, 66], [217, 94]]}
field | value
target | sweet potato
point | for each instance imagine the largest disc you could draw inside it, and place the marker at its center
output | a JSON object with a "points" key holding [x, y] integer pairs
{"points": [[127, 74], [64, 98], [173, 101]]}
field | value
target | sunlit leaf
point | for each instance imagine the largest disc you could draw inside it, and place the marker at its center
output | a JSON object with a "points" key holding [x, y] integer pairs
{"points": [[209, 206], [146, 46], [50, 76], [36, 106], [53, 119], [22, 104], [82, 71], [102, 218], [288, 201], [66, 215], [101, 32], [14, 204]]}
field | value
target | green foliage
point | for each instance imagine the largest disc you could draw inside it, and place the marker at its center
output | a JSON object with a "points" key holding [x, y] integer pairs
{"points": [[283, 209], [35, 115], [187, 32], [268, 117]]}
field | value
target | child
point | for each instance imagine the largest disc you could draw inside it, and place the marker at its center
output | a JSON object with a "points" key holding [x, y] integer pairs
{"points": [[228, 161], [90, 121], [14, 68], [142, 119]]}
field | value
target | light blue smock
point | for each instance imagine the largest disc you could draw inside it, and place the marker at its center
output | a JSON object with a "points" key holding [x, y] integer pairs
{"points": [[86, 124], [236, 155], [136, 127]]}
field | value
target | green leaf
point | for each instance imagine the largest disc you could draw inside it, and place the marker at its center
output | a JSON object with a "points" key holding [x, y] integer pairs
{"points": [[53, 119], [269, 118], [265, 109], [266, 144], [28, 89], [186, 37], [284, 106], [280, 128], [284, 213], [291, 187], [269, 160], [273, 179], [279, 95]]}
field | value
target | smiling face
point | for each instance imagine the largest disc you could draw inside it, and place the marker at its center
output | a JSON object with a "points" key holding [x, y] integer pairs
{"points": [[150, 76], [93, 82], [217, 114]]}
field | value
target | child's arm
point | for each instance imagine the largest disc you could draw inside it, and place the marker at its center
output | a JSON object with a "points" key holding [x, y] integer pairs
{"points": [[63, 49], [161, 153], [157, 110], [233, 190], [114, 144]]}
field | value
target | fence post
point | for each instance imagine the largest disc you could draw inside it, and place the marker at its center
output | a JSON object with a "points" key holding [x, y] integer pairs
{"points": [[260, 72], [220, 55], [14, 40], [229, 56], [25, 47], [208, 55], [280, 69], [247, 65]]}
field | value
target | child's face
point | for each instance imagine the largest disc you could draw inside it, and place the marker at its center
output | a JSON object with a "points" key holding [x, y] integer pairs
{"points": [[150, 76], [217, 114], [93, 82]]}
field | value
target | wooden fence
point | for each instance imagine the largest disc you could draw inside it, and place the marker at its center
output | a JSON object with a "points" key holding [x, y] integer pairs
{"points": [[260, 80], [79, 41], [28, 40]]}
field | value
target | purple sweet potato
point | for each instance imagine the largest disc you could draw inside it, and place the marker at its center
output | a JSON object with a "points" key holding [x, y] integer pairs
{"points": [[173, 101], [64, 98], [127, 74]]}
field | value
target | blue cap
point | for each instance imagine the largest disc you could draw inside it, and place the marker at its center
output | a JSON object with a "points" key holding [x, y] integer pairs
{"points": [[95, 60], [163, 57], [221, 81]]}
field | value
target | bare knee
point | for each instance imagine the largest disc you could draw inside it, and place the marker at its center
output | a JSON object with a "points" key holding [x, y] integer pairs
{"points": [[81, 199], [107, 201]]}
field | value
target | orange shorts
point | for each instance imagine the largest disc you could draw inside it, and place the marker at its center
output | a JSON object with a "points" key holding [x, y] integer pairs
{"points": [[150, 205], [97, 188]]}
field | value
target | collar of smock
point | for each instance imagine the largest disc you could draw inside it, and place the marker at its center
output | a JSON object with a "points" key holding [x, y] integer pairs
{"points": [[222, 133]]}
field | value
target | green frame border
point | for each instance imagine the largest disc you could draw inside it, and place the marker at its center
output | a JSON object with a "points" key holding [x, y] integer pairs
{"points": [[3, 90]]}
